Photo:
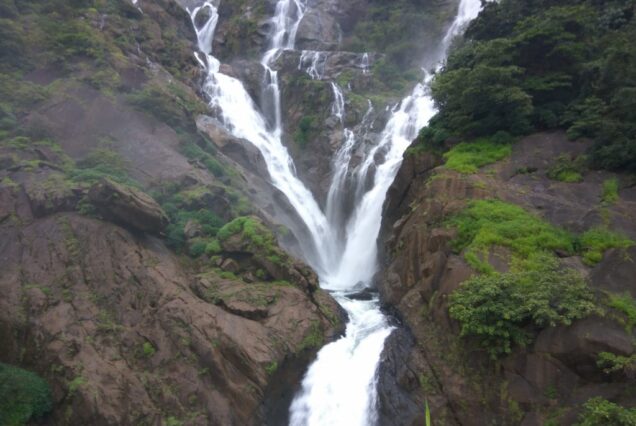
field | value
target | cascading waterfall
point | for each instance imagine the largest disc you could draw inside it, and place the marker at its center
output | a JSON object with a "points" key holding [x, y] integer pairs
{"points": [[337, 108], [340, 386], [313, 63]]}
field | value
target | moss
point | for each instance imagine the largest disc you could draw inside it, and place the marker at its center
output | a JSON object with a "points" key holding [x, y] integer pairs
{"points": [[271, 368], [24, 396], [468, 157], [314, 339]]}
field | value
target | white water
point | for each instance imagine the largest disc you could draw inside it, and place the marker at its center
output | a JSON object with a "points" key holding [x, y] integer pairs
{"points": [[340, 386], [313, 63], [338, 106]]}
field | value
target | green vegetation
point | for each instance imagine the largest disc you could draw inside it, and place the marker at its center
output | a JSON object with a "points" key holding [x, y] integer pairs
{"points": [[102, 163], [611, 363], [24, 396], [610, 191], [467, 157], [252, 230], [271, 368], [567, 169], [529, 66], [169, 103], [147, 350], [625, 306], [306, 128], [504, 310], [314, 339], [595, 241], [599, 411], [488, 223]]}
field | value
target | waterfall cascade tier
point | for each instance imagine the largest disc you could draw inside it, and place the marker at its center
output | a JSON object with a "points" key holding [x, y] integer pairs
{"points": [[340, 386]]}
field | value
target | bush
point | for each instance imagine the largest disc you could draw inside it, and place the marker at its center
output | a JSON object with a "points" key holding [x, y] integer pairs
{"points": [[611, 363], [625, 305], [567, 169], [24, 396], [503, 310], [468, 157], [599, 411]]}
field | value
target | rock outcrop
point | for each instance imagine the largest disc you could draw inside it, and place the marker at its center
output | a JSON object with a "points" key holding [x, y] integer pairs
{"points": [[127, 206], [560, 369]]}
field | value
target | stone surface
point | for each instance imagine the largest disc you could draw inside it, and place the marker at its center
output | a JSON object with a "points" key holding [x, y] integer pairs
{"points": [[127, 206]]}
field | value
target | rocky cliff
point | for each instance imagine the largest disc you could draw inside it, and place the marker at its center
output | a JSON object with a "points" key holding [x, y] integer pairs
{"points": [[545, 382], [118, 288]]}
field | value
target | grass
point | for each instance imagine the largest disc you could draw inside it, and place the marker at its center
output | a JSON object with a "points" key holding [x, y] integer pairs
{"points": [[595, 241], [610, 191], [468, 157], [567, 169], [487, 223]]}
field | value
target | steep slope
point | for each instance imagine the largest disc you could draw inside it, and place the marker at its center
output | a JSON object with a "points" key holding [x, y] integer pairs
{"points": [[134, 312]]}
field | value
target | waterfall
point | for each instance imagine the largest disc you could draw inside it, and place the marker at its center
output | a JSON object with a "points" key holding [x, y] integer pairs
{"points": [[340, 386], [313, 63], [337, 108]]}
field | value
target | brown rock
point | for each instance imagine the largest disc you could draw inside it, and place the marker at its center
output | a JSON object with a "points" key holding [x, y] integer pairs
{"points": [[128, 206]]}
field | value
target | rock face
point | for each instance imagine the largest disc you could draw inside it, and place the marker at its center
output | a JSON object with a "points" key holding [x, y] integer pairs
{"points": [[125, 333], [127, 206], [560, 368]]}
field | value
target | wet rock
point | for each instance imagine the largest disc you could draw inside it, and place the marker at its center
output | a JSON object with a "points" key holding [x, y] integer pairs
{"points": [[192, 229], [128, 206]]}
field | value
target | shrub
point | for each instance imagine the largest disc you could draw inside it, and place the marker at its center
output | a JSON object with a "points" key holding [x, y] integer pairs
{"points": [[625, 305], [611, 363], [567, 169], [468, 157], [24, 396], [502, 310], [599, 411]]}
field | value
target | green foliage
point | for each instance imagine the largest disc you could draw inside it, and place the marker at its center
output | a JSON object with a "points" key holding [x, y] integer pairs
{"points": [[205, 155], [599, 411], [213, 247], [170, 104], [567, 169], [314, 339], [306, 128], [625, 305], [102, 163], [595, 241], [538, 65], [148, 350], [468, 157], [271, 368], [611, 363], [487, 223], [610, 191], [252, 231], [24, 396], [502, 310]]}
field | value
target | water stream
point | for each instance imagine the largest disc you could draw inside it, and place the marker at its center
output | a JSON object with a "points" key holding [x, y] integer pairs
{"points": [[340, 386]]}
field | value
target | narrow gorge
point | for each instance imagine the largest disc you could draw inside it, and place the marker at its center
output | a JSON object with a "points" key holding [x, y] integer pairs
{"points": [[317, 212]]}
